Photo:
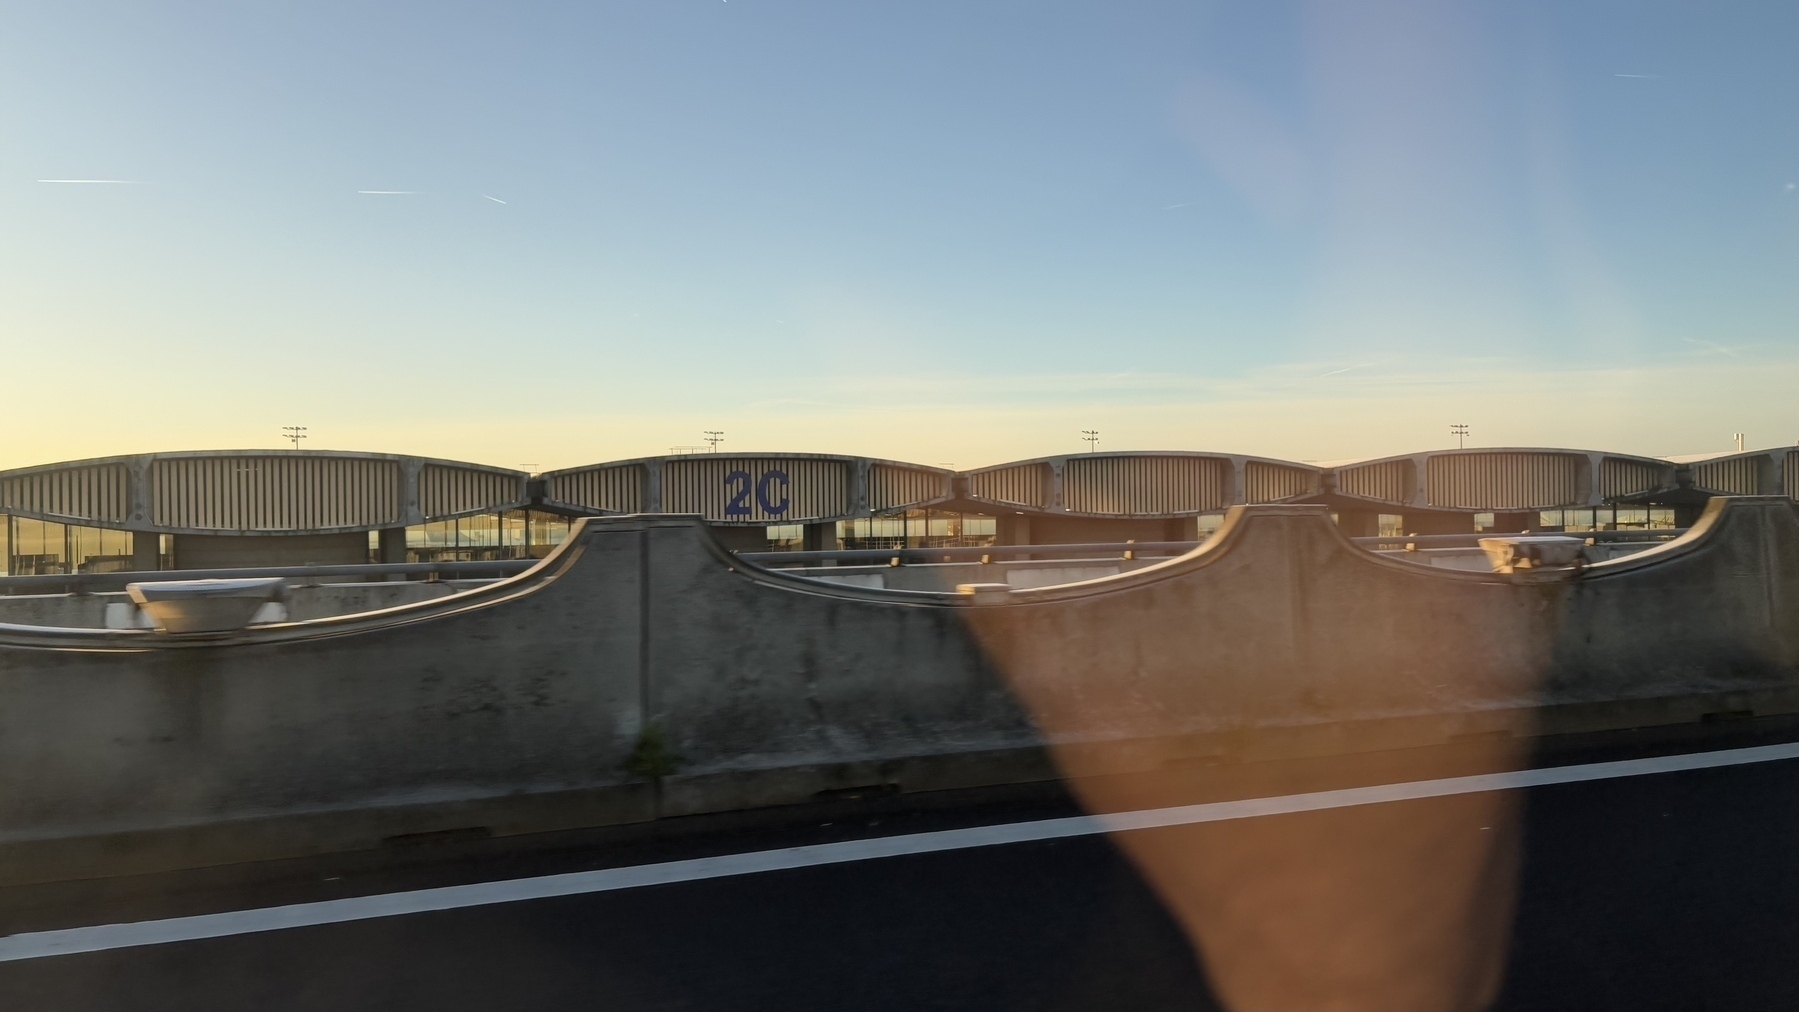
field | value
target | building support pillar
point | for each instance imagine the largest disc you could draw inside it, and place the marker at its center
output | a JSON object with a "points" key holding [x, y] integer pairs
{"points": [[1013, 529], [1513, 523], [821, 537], [391, 545], [1358, 523], [1439, 523], [146, 554]]}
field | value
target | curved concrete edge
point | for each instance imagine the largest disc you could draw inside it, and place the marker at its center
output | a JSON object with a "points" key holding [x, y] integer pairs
{"points": [[1721, 514], [1239, 527], [564, 558]]}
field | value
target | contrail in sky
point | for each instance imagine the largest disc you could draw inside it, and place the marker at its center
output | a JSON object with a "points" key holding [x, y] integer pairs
{"points": [[1347, 368], [494, 199], [1714, 346], [119, 182], [387, 193]]}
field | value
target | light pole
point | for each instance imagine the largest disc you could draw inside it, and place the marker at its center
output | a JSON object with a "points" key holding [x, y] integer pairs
{"points": [[715, 437], [1092, 438], [1460, 432], [295, 433]]}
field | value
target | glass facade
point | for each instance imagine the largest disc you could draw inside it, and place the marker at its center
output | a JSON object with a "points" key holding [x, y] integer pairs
{"points": [[920, 528], [44, 548], [1607, 518], [786, 537], [514, 534]]}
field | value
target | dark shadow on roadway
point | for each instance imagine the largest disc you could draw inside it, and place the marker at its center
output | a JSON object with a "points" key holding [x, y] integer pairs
{"points": [[1676, 891]]}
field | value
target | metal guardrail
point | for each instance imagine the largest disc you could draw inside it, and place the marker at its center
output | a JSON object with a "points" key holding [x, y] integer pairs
{"points": [[1419, 541], [1130, 549], [97, 583], [885, 556]]}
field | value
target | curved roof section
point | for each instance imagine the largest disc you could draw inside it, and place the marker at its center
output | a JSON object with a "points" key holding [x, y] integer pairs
{"points": [[1755, 472], [258, 491], [1140, 483], [749, 488], [1503, 478]]}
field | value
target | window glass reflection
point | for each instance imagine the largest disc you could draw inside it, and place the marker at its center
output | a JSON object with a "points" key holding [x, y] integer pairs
{"points": [[919, 528], [514, 534], [45, 548]]}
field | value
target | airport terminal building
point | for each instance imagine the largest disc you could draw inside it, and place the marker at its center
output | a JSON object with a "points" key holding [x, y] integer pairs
{"points": [[243, 508]]}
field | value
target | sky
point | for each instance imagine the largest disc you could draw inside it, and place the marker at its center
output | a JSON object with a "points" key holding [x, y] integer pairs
{"points": [[540, 235]]}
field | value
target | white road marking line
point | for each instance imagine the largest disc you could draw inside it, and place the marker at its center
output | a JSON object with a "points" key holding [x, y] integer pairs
{"points": [[101, 937]]}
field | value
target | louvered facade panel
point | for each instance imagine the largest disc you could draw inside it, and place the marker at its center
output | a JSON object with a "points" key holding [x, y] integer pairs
{"points": [[893, 488], [1619, 478], [274, 493], [1389, 481], [616, 489], [1503, 481], [1790, 472], [1263, 482], [1024, 485], [1144, 486], [764, 490], [1736, 476], [455, 491], [97, 493]]}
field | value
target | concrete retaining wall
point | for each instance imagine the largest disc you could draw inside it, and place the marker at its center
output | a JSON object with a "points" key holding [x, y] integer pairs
{"points": [[519, 706]]}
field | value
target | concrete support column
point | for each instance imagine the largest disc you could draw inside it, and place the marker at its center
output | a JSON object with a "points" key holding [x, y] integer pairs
{"points": [[1358, 523], [146, 556], [1181, 529], [1513, 523], [821, 537], [1439, 523], [392, 545], [391, 548], [1687, 514], [1013, 529]]}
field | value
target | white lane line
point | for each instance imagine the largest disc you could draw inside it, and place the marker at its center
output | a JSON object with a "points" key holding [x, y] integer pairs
{"points": [[101, 937]]}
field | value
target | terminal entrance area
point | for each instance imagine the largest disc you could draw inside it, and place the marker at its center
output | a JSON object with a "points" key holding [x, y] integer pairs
{"points": [[918, 528], [45, 548]]}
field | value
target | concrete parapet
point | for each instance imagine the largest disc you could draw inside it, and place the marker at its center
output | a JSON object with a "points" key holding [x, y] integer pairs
{"points": [[642, 670]]}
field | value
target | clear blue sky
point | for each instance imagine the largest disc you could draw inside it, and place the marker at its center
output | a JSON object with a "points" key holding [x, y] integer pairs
{"points": [[949, 231]]}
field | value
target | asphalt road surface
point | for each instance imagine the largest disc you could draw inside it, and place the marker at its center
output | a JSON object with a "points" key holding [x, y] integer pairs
{"points": [[1644, 889]]}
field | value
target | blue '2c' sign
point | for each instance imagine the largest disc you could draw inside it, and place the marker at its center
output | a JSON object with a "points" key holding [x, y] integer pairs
{"points": [[771, 483]]}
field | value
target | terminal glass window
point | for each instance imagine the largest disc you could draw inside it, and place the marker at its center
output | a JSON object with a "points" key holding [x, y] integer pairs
{"points": [[1607, 518], [543, 532], [45, 548], [1391, 525], [486, 537], [919, 528], [786, 537]]}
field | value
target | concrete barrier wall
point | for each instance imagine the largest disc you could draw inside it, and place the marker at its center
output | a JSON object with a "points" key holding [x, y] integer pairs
{"points": [[1282, 624], [521, 705]]}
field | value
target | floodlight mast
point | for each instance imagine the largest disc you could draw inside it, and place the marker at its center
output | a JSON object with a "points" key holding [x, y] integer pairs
{"points": [[714, 437], [1092, 438], [295, 433], [1460, 432]]}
